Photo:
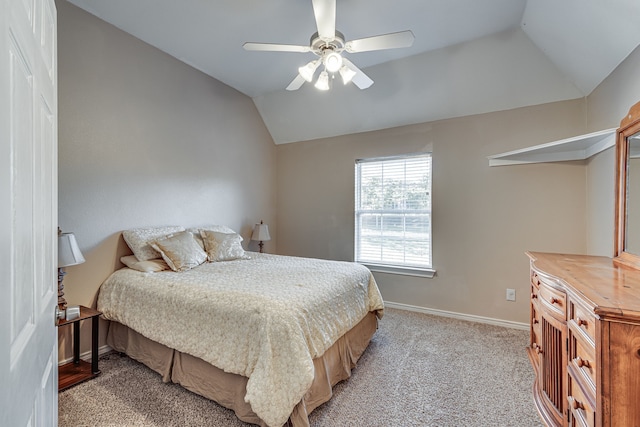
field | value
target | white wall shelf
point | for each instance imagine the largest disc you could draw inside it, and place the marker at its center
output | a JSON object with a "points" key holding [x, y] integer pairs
{"points": [[575, 148]]}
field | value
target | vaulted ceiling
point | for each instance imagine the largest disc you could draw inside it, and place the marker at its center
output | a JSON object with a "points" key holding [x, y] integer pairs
{"points": [[469, 56]]}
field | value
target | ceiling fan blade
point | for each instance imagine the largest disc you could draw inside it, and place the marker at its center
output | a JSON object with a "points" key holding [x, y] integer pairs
{"points": [[325, 13], [384, 41], [360, 79], [274, 47], [296, 83]]}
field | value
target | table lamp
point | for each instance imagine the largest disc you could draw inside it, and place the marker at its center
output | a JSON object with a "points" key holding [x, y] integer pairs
{"points": [[68, 254], [261, 234]]}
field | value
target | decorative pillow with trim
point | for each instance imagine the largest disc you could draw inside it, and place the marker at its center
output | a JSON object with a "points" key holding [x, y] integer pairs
{"points": [[222, 246], [138, 240], [180, 251], [218, 228]]}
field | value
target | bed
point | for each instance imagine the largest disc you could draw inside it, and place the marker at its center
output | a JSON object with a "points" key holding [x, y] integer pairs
{"points": [[264, 335]]}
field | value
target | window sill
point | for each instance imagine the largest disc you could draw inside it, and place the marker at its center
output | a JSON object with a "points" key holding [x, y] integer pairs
{"points": [[405, 271]]}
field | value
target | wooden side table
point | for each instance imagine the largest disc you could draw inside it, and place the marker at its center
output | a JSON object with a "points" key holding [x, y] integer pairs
{"points": [[77, 371]]}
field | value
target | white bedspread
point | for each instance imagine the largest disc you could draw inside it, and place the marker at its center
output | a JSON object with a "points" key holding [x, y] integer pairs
{"points": [[265, 318]]}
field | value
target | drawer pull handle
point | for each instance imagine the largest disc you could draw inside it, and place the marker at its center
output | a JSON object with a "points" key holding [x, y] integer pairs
{"points": [[577, 405], [581, 322], [534, 296], [582, 363], [536, 321], [537, 348], [554, 300]]}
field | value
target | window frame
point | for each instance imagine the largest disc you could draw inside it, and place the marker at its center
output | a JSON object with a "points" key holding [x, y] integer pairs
{"points": [[391, 267]]}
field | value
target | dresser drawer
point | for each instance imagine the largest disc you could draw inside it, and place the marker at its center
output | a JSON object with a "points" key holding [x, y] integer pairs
{"points": [[535, 327], [555, 300], [582, 320], [535, 280], [580, 407], [582, 357], [535, 288], [535, 317]]}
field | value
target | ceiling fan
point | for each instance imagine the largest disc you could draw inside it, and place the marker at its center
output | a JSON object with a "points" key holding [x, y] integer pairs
{"points": [[328, 44]]}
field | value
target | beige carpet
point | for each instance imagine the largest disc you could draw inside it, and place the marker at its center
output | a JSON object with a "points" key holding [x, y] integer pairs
{"points": [[419, 370]]}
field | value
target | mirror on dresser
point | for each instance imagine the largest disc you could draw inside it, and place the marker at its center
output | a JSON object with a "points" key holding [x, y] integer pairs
{"points": [[627, 226], [632, 217]]}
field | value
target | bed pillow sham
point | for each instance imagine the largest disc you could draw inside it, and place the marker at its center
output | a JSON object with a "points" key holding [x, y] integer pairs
{"points": [[138, 240], [218, 228], [222, 246], [180, 251], [150, 266]]}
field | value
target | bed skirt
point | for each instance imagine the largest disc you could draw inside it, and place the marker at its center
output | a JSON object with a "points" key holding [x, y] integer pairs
{"points": [[228, 389]]}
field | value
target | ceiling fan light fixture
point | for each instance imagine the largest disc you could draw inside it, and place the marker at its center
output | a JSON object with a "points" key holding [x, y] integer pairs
{"points": [[328, 44], [307, 71], [347, 74], [323, 81], [333, 62]]}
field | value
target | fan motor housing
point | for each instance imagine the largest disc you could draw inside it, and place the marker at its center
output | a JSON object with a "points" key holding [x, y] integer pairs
{"points": [[319, 46]]}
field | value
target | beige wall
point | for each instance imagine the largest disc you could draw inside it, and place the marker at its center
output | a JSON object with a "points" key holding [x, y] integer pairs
{"points": [[484, 219], [607, 105], [146, 140]]}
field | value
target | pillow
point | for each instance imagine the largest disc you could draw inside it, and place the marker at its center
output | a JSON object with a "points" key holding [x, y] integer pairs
{"points": [[218, 228], [180, 251], [138, 240], [150, 266], [222, 246]]}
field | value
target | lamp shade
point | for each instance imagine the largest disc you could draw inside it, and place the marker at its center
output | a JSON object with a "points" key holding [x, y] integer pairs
{"points": [[68, 250], [347, 74], [323, 81], [307, 71], [261, 232]]}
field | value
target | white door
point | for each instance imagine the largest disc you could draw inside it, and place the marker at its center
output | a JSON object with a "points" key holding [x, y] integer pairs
{"points": [[28, 213]]}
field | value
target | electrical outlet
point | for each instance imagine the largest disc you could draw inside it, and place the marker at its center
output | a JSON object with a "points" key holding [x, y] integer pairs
{"points": [[511, 294]]}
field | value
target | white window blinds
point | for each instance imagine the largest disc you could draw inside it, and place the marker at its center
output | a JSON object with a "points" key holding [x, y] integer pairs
{"points": [[393, 211]]}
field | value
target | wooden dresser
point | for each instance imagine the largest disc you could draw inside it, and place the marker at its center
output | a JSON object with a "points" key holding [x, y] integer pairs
{"points": [[585, 340]]}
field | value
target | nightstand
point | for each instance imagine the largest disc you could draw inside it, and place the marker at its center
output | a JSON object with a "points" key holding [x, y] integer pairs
{"points": [[78, 370]]}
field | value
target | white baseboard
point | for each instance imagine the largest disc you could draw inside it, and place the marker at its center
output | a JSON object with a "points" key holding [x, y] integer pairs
{"points": [[460, 316], [86, 356]]}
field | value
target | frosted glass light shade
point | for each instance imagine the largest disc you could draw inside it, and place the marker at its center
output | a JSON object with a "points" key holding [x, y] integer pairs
{"points": [[307, 71], [333, 62], [323, 81], [347, 74]]}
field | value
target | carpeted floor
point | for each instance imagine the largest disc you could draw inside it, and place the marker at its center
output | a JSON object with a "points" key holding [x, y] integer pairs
{"points": [[419, 370]]}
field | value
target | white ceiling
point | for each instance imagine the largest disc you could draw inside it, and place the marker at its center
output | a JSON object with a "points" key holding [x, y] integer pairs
{"points": [[469, 56]]}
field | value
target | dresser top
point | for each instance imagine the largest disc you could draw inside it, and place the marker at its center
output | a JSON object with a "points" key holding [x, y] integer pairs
{"points": [[613, 290]]}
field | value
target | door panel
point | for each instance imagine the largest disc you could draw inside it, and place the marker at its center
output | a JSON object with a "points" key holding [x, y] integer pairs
{"points": [[21, 278], [28, 213]]}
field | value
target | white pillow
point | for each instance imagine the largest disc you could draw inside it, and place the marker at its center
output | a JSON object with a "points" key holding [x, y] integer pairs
{"points": [[218, 228], [138, 240], [222, 246], [150, 266], [180, 251]]}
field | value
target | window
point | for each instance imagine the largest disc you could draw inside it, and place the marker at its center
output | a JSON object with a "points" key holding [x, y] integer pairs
{"points": [[393, 214]]}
